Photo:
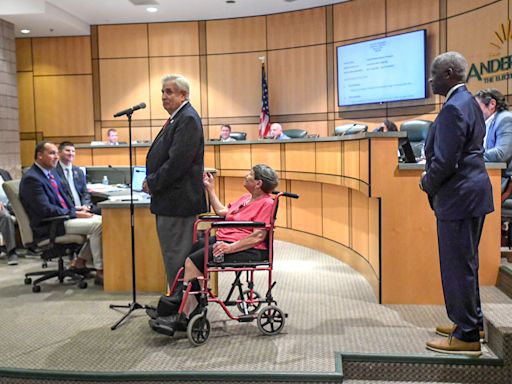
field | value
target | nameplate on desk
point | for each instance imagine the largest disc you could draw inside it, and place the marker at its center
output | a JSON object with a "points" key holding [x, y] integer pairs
{"points": [[125, 198]]}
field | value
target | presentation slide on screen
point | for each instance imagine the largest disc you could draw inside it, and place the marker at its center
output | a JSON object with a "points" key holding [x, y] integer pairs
{"points": [[387, 69]]}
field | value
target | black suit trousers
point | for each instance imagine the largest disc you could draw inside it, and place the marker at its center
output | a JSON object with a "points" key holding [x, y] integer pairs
{"points": [[458, 253]]}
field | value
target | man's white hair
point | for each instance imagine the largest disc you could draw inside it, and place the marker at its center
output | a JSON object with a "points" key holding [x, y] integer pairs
{"points": [[180, 81]]}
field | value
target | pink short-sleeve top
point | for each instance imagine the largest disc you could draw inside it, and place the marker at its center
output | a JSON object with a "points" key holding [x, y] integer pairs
{"points": [[241, 210]]}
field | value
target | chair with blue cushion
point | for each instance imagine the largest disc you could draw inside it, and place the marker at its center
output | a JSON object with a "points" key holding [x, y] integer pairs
{"points": [[238, 136], [350, 129], [417, 131], [296, 133]]}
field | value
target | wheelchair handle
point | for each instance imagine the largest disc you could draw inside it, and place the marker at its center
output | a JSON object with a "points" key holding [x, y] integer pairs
{"points": [[286, 194]]}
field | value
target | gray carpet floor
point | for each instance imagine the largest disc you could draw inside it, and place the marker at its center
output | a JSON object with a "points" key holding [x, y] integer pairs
{"points": [[331, 309]]}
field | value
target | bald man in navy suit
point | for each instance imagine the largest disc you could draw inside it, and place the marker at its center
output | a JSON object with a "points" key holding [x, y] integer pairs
{"points": [[460, 193]]}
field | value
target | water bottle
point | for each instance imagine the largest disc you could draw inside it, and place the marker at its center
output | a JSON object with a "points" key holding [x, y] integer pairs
{"points": [[105, 180], [218, 258]]}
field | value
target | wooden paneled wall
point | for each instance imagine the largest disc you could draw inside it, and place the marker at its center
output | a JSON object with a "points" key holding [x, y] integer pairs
{"points": [[69, 87]]}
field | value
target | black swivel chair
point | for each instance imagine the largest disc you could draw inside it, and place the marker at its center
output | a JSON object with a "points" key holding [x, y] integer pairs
{"points": [[296, 133], [350, 129], [54, 247], [238, 136], [417, 131]]}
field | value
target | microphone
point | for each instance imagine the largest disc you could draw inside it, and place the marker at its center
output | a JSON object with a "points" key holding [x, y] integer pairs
{"points": [[129, 111], [119, 171]]}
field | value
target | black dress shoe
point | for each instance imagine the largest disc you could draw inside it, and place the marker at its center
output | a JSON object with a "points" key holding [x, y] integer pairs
{"points": [[151, 312]]}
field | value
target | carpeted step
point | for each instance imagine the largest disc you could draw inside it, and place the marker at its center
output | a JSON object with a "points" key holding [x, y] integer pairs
{"points": [[505, 279]]}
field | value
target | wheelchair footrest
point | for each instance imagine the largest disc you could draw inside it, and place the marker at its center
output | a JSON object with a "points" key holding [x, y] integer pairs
{"points": [[246, 318]]}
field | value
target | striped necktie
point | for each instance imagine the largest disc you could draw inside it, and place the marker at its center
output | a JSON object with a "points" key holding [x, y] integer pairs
{"points": [[53, 182]]}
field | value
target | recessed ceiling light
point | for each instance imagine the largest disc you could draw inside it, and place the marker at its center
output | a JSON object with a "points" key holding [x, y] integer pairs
{"points": [[230, 1], [152, 9], [25, 31]]}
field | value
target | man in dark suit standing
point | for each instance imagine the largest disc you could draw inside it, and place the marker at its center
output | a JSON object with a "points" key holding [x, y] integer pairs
{"points": [[460, 193], [174, 168], [42, 196], [73, 179]]}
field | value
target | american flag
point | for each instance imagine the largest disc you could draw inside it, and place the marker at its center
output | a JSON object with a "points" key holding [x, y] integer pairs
{"points": [[265, 114]]}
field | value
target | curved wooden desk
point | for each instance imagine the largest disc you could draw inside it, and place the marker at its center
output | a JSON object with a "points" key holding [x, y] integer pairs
{"points": [[357, 204]]}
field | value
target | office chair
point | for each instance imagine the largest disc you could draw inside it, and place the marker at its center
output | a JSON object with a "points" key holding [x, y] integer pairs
{"points": [[417, 131], [238, 136], [350, 129], [295, 133], [52, 247]]}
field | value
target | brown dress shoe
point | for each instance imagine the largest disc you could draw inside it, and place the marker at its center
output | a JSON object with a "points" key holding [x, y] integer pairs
{"points": [[447, 330], [98, 280], [77, 263], [454, 346]]}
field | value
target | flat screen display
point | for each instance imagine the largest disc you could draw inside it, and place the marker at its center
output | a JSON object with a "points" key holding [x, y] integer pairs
{"points": [[138, 176], [382, 70]]}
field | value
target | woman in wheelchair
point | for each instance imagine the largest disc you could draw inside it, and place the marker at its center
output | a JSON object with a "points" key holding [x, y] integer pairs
{"points": [[234, 245]]}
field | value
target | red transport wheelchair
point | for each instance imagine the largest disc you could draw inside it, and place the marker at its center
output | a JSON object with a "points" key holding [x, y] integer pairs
{"points": [[270, 319]]}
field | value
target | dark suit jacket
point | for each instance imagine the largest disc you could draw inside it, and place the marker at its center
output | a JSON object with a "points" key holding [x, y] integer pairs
{"points": [[456, 180], [175, 164], [498, 144], [80, 184], [41, 201]]}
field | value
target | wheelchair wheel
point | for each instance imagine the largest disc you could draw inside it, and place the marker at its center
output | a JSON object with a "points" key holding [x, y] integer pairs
{"points": [[251, 308], [198, 329], [271, 320]]}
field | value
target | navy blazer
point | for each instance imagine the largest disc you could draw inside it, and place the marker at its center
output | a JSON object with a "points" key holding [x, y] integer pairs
{"points": [[80, 184], [41, 201], [175, 165], [456, 180]]}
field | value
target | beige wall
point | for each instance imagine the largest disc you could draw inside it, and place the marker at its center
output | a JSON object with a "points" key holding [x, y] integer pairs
{"points": [[9, 120], [71, 86]]}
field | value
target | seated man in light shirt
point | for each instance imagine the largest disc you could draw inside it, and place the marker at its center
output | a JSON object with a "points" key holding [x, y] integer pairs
{"points": [[225, 131], [7, 229], [276, 132], [112, 137], [498, 135]]}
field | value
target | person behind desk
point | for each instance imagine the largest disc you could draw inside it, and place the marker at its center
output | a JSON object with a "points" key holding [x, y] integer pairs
{"points": [[276, 132], [6, 222], [42, 196], [386, 126], [225, 131], [73, 179], [174, 168], [498, 137], [460, 193], [113, 137], [236, 244]]}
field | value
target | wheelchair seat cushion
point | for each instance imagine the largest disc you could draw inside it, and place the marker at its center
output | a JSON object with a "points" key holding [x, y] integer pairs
{"points": [[249, 256]]}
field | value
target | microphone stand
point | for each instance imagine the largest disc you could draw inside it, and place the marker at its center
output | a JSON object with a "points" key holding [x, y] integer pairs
{"points": [[133, 305]]}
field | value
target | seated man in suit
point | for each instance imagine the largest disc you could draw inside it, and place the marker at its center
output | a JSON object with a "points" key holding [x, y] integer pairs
{"points": [[112, 137], [498, 136], [42, 195], [73, 179], [7, 229], [276, 132]]}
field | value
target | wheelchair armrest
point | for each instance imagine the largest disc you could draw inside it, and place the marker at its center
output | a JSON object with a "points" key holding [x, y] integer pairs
{"points": [[210, 218], [239, 224]]}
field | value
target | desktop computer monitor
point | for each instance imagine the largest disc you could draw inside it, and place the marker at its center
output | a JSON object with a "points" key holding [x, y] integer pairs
{"points": [[138, 176]]}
